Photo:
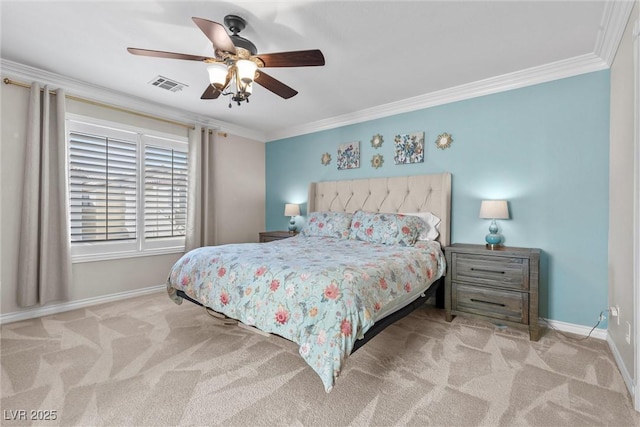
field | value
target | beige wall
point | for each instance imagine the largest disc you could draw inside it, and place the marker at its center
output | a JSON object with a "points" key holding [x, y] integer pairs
{"points": [[240, 212], [621, 196]]}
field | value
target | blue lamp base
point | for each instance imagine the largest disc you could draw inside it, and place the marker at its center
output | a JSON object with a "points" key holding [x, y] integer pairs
{"points": [[493, 239], [292, 225]]}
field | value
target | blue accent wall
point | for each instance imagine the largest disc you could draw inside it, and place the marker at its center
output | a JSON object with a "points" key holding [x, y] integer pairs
{"points": [[544, 148]]}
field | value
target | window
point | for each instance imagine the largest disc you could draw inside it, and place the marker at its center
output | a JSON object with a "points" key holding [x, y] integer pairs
{"points": [[165, 191], [127, 191], [102, 187]]}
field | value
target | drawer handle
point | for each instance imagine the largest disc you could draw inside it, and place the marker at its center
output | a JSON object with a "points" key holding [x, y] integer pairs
{"points": [[488, 302], [486, 270]]}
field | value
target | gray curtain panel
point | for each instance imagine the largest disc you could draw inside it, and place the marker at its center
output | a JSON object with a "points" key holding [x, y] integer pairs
{"points": [[200, 208], [44, 259]]}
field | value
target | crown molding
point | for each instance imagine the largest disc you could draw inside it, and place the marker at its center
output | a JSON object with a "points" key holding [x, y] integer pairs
{"points": [[615, 16], [614, 21], [103, 95], [557, 70]]}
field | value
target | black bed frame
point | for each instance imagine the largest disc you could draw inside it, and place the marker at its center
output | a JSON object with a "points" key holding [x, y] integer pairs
{"points": [[437, 290]]}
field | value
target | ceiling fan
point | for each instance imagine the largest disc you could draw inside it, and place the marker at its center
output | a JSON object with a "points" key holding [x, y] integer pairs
{"points": [[237, 64]]}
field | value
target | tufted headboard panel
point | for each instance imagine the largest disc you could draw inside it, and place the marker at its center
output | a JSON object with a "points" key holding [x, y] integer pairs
{"points": [[419, 193]]}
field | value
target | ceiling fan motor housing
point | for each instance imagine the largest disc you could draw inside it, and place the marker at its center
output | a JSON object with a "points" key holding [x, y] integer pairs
{"points": [[235, 25]]}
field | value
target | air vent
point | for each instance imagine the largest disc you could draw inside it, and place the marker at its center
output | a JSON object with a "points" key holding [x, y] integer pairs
{"points": [[168, 84]]}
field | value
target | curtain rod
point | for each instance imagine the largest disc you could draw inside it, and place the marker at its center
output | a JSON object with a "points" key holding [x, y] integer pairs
{"points": [[100, 104]]}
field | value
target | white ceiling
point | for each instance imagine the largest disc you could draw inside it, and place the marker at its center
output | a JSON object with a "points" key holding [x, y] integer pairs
{"points": [[377, 52]]}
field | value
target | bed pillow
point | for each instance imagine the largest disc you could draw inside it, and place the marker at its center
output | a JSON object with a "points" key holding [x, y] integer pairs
{"points": [[385, 228], [327, 224], [431, 231]]}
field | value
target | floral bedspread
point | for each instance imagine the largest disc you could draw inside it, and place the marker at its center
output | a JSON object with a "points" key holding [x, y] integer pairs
{"points": [[322, 293]]}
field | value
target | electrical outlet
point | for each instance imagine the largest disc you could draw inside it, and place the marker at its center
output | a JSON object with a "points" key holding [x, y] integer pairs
{"points": [[614, 311], [627, 337]]}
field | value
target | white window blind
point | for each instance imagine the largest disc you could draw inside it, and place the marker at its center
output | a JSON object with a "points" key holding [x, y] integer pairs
{"points": [[102, 177], [165, 192], [128, 191]]}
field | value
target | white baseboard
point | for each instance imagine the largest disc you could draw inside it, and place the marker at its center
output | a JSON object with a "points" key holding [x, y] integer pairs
{"points": [[628, 378], [72, 305], [572, 328], [598, 334]]}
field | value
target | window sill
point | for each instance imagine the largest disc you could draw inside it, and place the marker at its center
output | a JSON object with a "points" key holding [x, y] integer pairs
{"points": [[77, 259]]}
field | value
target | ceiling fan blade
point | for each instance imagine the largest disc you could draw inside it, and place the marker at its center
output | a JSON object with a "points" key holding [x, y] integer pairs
{"points": [[217, 34], [170, 55], [299, 58], [275, 86], [210, 93]]}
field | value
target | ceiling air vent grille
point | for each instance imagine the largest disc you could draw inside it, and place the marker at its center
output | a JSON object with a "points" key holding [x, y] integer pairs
{"points": [[168, 84]]}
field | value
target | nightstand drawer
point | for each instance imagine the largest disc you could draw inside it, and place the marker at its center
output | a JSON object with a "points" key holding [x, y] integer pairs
{"points": [[491, 270], [505, 305]]}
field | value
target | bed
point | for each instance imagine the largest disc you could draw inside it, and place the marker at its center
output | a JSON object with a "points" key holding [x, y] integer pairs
{"points": [[364, 259]]}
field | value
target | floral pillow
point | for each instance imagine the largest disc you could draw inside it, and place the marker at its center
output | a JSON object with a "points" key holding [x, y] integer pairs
{"points": [[328, 224], [430, 232], [387, 229]]}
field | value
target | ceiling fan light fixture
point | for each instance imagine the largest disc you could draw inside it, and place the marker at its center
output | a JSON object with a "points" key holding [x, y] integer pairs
{"points": [[242, 93], [218, 75], [234, 68], [243, 90], [246, 70]]}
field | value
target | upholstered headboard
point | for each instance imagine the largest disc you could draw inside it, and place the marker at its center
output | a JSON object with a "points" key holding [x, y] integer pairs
{"points": [[419, 193]]}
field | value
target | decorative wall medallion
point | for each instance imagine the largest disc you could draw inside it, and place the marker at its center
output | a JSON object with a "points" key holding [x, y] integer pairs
{"points": [[377, 161], [409, 148], [326, 159], [377, 140], [349, 155], [444, 141]]}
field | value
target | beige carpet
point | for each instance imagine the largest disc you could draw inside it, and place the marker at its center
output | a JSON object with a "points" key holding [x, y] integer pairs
{"points": [[147, 361]]}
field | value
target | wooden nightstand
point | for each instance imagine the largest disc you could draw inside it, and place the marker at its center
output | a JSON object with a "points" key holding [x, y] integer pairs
{"points": [[499, 285], [270, 236]]}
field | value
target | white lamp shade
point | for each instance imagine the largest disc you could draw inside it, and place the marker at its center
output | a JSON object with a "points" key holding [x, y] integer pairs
{"points": [[217, 74], [246, 70], [494, 209], [291, 209]]}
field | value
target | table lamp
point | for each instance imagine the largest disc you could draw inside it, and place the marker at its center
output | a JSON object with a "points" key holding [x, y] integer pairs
{"points": [[292, 210], [494, 209]]}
